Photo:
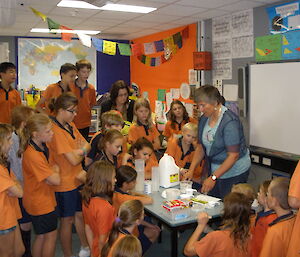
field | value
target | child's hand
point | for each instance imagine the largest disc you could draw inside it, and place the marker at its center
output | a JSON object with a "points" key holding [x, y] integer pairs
{"points": [[183, 171], [55, 168], [126, 157], [202, 218]]}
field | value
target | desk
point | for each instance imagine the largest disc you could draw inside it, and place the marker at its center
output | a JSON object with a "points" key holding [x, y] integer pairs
{"points": [[156, 211]]}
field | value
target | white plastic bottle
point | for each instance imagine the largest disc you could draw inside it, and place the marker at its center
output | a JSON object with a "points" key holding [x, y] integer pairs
{"points": [[168, 172]]}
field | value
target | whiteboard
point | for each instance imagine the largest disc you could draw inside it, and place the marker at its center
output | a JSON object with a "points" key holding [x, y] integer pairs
{"points": [[275, 106]]}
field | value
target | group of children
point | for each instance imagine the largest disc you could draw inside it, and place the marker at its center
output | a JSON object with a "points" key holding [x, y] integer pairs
{"points": [[49, 170]]}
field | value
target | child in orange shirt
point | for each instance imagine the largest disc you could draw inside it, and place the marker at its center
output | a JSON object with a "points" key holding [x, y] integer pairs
{"points": [[10, 237], [182, 149], [39, 176], [130, 214], [109, 120], [128, 246], [9, 97], [278, 235], [232, 240], [98, 212], [67, 149], [178, 117], [68, 74], [86, 95], [262, 221], [142, 124], [141, 149]]}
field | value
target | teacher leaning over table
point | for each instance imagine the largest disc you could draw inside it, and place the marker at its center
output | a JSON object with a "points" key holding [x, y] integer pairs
{"points": [[221, 143]]}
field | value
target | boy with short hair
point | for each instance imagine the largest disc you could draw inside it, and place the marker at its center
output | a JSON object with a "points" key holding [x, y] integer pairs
{"points": [[9, 97], [86, 95], [278, 235], [182, 149]]}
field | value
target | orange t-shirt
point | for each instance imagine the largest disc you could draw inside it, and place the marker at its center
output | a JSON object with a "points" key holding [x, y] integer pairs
{"points": [[8, 100], [219, 244], [174, 148], [61, 143], [151, 162], [294, 191], [52, 91], [120, 236], [38, 196], [259, 231], [169, 131], [9, 206], [137, 131], [86, 100], [278, 236], [99, 215]]}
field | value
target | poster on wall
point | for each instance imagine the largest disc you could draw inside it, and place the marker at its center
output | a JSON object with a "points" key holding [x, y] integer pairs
{"points": [[291, 45], [222, 69], [221, 49], [221, 27], [242, 47], [4, 52], [284, 17], [39, 60], [242, 23], [268, 48]]}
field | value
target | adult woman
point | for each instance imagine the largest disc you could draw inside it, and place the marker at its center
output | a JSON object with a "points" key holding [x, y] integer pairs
{"points": [[222, 144], [119, 101]]}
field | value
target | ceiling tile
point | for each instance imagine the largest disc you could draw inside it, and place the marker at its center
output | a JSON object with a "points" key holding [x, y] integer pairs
{"points": [[178, 10], [210, 14], [121, 30], [117, 15], [73, 12], [67, 20], [42, 6], [143, 3], [240, 6], [140, 24], [206, 3], [156, 18]]}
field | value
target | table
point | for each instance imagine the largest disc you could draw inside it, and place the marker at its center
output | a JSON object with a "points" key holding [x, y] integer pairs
{"points": [[156, 211]]}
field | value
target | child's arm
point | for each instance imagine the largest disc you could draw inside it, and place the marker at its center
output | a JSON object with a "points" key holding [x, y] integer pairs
{"points": [[189, 249], [81, 176], [54, 179], [125, 158], [145, 199], [39, 105], [75, 157], [15, 190], [156, 143], [89, 235], [102, 241], [294, 202], [198, 156]]}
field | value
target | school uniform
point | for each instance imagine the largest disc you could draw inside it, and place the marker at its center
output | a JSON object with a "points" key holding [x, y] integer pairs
{"points": [[99, 214], [9, 206], [171, 131], [219, 244], [139, 130], [65, 141], [39, 198], [8, 100], [259, 230], [278, 236], [101, 156], [294, 191], [86, 100]]}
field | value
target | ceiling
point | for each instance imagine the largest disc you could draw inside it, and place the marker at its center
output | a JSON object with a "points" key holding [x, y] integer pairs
{"points": [[121, 25]]}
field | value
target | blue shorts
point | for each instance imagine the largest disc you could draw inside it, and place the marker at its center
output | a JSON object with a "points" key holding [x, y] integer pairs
{"points": [[43, 224], [6, 231], [68, 203], [26, 218]]}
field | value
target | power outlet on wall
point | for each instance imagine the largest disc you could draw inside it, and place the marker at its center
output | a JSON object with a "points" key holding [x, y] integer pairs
{"points": [[255, 158], [266, 161]]}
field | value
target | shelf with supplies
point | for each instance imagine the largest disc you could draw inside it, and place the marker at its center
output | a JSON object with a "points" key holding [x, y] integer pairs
{"points": [[95, 121]]}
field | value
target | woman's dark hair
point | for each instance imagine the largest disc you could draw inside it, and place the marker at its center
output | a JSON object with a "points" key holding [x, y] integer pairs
{"points": [[129, 212], [114, 90], [64, 101], [208, 94], [172, 115], [125, 174], [236, 218], [66, 68], [140, 144]]}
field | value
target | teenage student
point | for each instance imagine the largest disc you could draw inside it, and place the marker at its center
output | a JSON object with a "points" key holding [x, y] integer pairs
{"points": [[109, 120], [130, 214], [9, 97], [20, 115], [142, 149], [278, 235], [294, 202], [39, 177], [232, 240], [262, 221], [178, 117], [68, 74], [142, 124], [11, 244], [128, 246], [182, 149], [67, 150], [86, 95], [98, 212]]}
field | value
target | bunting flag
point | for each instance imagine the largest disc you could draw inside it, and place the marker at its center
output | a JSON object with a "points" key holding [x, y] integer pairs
{"points": [[153, 61], [98, 44], [148, 60], [159, 45], [124, 49], [136, 49], [52, 25], [66, 36], [158, 61], [85, 39], [177, 39], [39, 14], [149, 48], [185, 33], [109, 47]]}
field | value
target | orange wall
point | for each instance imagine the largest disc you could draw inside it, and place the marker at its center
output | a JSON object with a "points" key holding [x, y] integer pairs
{"points": [[169, 74]]}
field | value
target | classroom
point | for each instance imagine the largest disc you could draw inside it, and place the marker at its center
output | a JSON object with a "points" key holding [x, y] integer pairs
{"points": [[133, 128]]}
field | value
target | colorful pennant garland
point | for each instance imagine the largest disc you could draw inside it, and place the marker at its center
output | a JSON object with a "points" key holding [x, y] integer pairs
{"points": [[169, 46]]}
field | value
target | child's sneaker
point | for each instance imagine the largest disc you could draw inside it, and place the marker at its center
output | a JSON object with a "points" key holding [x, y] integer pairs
{"points": [[84, 252]]}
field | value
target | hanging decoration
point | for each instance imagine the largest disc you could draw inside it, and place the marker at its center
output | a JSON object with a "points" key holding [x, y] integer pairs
{"points": [[169, 46]]}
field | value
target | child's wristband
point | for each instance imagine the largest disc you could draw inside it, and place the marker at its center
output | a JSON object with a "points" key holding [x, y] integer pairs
{"points": [[84, 151]]}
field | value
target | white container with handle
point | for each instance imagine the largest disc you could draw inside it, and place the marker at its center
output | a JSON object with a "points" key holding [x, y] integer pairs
{"points": [[168, 172]]}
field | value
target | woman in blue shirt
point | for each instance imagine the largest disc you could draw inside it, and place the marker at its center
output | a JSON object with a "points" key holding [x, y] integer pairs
{"points": [[221, 143]]}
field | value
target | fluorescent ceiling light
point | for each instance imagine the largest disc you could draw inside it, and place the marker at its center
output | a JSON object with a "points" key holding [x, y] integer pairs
{"points": [[127, 8], [75, 31], [76, 4]]}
